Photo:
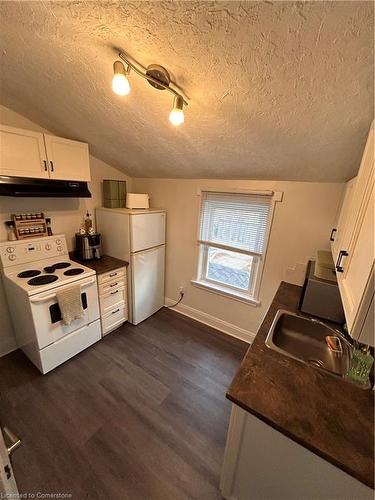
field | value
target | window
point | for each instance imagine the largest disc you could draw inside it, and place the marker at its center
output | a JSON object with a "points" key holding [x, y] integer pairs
{"points": [[232, 241]]}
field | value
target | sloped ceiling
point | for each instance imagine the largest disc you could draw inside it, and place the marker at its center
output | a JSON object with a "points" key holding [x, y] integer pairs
{"points": [[279, 90]]}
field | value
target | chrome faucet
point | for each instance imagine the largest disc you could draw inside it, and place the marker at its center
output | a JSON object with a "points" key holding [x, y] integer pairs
{"points": [[343, 335]]}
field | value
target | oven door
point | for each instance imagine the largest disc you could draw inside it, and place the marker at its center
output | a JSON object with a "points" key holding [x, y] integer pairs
{"points": [[47, 316]]}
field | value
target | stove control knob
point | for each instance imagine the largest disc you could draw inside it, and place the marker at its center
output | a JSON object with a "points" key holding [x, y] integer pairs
{"points": [[60, 248], [10, 249], [58, 242], [12, 257], [48, 246]]}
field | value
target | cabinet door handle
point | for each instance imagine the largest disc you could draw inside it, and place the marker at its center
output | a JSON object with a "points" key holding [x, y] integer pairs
{"points": [[116, 291], [45, 165], [52, 168], [114, 312], [114, 284], [112, 274], [333, 233], [14, 441], [339, 268]]}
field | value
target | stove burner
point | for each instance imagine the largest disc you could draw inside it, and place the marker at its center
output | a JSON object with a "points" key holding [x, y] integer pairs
{"points": [[58, 265], [74, 271], [28, 274], [61, 265], [42, 280]]}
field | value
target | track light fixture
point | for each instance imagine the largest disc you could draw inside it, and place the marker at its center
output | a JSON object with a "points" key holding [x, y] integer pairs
{"points": [[157, 76]]}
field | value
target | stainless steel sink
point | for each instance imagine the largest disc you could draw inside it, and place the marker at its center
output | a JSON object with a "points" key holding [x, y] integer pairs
{"points": [[309, 341]]}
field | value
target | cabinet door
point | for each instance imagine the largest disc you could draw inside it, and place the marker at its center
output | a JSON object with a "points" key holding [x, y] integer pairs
{"points": [[356, 245], [359, 196], [358, 265], [68, 160], [341, 232], [22, 153]]}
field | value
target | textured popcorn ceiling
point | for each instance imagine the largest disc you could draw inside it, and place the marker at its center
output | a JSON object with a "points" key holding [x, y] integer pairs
{"points": [[279, 90]]}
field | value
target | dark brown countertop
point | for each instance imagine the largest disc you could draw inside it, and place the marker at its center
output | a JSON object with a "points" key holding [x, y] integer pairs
{"points": [[103, 265], [327, 415]]}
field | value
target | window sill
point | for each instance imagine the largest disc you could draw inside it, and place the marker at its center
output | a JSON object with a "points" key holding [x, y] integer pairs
{"points": [[225, 293]]}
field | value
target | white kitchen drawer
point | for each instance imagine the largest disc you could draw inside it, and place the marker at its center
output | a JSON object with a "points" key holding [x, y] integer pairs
{"points": [[111, 275], [114, 319], [111, 286], [111, 300]]}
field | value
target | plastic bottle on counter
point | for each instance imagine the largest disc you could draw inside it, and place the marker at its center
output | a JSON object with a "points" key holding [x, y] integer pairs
{"points": [[88, 223]]}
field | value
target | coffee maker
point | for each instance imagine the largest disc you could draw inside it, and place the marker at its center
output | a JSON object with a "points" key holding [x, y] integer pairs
{"points": [[88, 246]]}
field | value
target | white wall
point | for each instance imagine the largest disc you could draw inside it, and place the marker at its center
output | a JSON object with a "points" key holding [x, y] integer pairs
{"points": [[301, 226], [66, 213]]}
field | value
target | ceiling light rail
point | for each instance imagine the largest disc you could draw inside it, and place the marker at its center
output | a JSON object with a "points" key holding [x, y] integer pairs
{"points": [[156, 75]]}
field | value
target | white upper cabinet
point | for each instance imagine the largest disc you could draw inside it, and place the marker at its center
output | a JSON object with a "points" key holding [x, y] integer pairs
{"points": [[24, 153], [353, 248], [68, 160], [340, 232], [358, 265]]}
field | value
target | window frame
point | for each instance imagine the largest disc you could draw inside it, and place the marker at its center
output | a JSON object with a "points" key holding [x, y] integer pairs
{"points": [[248, 296]]}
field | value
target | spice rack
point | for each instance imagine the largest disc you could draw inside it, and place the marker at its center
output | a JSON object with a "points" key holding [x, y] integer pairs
{"points": [[29, 225]]}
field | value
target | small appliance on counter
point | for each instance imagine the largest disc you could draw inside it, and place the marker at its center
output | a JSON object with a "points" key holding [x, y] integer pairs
{"points": [[88, 246], [136, 200], [320, 296]]}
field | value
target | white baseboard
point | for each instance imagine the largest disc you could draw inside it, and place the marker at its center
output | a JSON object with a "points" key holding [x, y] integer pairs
{"points": [[207, 319]]}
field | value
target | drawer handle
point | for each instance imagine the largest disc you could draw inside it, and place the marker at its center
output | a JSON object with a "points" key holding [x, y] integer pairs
{"points": [[112, 274], [116, 291], [114, 312], [113, 284]]}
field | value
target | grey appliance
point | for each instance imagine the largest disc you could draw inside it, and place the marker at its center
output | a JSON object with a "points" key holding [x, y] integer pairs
{"points": [[88, 246], [321, 297]]}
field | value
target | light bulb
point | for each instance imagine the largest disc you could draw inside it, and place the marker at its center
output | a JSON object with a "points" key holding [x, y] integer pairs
{"points": [[120, 84], [176, 116]]}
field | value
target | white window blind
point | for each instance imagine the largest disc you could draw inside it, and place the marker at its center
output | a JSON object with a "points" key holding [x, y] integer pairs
{"points": [[235, 221]]}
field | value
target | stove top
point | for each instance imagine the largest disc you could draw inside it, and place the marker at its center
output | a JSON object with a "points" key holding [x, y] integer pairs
{"points": [[46, 274]]}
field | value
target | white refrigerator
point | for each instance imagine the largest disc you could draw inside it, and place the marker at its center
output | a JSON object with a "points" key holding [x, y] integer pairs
{"points": [[137, 236]]}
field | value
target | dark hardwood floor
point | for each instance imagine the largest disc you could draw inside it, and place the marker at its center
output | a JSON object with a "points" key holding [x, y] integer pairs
{"points": [[140, 415]]}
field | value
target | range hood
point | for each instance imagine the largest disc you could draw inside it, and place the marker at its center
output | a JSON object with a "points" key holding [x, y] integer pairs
{"points": [[42, 188]]}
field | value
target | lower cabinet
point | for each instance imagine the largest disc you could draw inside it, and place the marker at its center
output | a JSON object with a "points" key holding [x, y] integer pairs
{"points": [[113, 302], [262, 463]]}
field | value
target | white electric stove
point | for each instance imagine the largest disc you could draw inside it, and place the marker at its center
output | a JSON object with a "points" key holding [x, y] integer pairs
{"points": [[33, 270]]}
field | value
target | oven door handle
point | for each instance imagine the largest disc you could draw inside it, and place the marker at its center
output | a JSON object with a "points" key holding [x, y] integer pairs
{"points": [[53, 295]]}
